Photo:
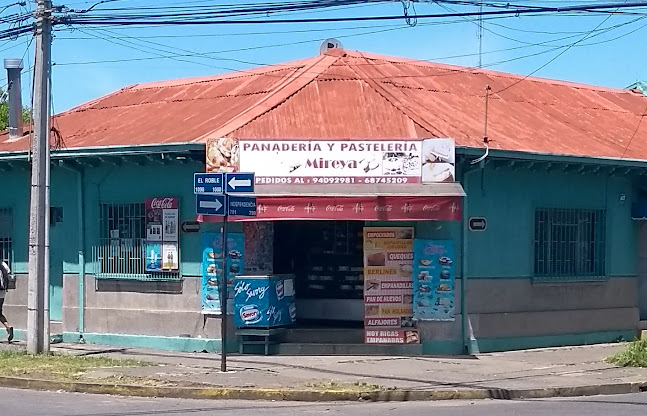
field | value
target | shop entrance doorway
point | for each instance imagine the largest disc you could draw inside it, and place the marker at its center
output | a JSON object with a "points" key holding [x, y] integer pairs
{"points": [[326, 258]]}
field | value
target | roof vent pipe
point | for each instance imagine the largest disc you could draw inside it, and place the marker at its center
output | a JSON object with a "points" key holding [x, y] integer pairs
{"points": [[14, 69]]}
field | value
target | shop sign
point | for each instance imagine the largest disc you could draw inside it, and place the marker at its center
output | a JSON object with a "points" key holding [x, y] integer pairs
{"points": [[322, 162], [212, 269], [388, 285], [433, 283]]}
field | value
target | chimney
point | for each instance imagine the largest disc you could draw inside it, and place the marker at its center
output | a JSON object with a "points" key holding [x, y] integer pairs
{"points": [[14, 68]]}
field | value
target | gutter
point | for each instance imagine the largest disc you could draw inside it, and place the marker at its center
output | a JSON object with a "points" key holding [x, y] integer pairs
{"points": [[552, 157], [110, 151], [467, 338]]}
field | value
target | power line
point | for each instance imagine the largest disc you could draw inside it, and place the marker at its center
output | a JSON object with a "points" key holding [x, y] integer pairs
{"points": [[202, 19], [555, 57]]}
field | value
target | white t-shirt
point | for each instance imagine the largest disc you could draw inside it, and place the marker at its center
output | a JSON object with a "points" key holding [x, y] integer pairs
{"points": [[6, 268]]}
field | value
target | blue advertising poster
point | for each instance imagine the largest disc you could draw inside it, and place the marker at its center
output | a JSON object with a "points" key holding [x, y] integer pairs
{"points": [[433, 282], [153, 257], [212, 269]]}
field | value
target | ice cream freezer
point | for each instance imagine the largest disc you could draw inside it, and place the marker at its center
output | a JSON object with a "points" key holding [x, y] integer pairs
{"points": [[265, 301]]}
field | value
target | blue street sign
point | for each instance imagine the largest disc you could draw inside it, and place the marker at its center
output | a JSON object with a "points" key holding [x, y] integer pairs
{"points": [[210, 204], [208, 183], [242, 206], [239, 182]]}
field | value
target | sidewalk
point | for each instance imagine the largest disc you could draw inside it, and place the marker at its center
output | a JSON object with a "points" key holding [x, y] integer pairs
{"points": [[568, 371]]}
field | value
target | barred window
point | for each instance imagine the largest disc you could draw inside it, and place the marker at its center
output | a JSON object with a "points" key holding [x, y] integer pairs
{"points": [[121, 252], [6, 236], [569, 244]]}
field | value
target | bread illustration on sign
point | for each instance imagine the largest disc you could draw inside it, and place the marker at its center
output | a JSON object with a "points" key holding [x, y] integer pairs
{"points": [[376, 259], [222, 155]]}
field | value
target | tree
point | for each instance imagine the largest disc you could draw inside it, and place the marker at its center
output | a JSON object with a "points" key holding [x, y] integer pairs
{"points": [[4, 111]]}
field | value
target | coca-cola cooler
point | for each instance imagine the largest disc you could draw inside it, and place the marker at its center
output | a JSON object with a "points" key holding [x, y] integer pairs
{"points": [[264, 301]]}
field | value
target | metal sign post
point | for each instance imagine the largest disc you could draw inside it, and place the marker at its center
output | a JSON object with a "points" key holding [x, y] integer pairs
{"points": [[211, 191], [224, 297]]}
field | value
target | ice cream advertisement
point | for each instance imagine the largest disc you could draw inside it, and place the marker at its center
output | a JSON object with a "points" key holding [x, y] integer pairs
{"points": [[433, 280], [212, 269]]}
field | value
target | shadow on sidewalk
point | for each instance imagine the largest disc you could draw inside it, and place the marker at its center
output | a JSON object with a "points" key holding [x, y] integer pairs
{"points": [[475, 384]]}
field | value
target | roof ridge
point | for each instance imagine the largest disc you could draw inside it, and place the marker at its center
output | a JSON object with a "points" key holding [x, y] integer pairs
{"points": [[297, 80], [474, 70], [409, 112]]}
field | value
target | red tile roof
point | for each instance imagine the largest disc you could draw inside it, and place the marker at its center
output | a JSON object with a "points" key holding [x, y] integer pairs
{"points": [[345, 94]]}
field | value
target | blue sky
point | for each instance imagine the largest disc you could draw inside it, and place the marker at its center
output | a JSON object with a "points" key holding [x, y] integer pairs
{"points": [[93, 61]]}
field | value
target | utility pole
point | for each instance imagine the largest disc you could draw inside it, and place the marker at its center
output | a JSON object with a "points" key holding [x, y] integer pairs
{"points": [[38, 293]]}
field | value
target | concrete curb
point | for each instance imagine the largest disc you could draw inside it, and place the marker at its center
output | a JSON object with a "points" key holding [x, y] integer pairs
{"points": [[396, 395]]}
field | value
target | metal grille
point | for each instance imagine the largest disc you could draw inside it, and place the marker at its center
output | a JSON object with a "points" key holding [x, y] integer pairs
{"points": [[6, 234], [121, 252], [570, 244]]}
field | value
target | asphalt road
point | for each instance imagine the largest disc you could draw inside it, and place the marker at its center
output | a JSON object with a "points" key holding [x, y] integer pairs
{"points": [[35, 403]]}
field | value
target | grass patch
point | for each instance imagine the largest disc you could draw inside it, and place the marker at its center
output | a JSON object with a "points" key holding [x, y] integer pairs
{"points": [[61, 367], [634, 355]]}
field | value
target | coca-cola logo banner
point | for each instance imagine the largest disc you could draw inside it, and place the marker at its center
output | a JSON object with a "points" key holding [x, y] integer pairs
{"points": [[162, 203]]}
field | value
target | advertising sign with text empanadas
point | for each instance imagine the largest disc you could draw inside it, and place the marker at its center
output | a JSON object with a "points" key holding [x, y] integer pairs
{"points": [[388, 283]]}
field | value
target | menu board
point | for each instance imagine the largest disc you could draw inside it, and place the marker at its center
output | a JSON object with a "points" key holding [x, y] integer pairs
{"points": [[388, 285], [433, 284], [212, 269], [162, 229]]}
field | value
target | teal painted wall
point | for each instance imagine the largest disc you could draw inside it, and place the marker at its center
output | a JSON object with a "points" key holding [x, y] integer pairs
{"points": [[15, 195], [508, 199], [131, 184]]}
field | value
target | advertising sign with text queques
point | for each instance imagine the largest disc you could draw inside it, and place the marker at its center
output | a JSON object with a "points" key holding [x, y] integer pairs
{"points": [[162, 230], [388, 286]]}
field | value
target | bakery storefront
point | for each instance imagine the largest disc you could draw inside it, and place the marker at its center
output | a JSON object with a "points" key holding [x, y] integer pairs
{"points": [[354, 223]]}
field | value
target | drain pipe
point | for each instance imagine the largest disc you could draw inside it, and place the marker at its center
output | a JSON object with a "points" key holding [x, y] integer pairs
{"points": [[80, 192], [467, 332]]}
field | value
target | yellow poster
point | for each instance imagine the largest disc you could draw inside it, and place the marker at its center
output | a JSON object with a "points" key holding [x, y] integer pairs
{"points": [[388, 280]]}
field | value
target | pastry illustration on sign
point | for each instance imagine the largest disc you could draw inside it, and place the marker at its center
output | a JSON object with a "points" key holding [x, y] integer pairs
{"points": [[222, 155]]}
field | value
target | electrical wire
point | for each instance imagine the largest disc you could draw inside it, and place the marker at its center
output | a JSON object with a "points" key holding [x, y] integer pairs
{"points": [[208, 17], [554, 58]]}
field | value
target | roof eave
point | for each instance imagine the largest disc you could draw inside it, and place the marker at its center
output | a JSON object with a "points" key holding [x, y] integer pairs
{"points": [[550, 157], [128, 150]]}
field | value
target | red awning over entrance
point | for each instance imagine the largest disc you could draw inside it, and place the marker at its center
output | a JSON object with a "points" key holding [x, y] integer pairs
{"points": [[364, 208], [439, 202]]}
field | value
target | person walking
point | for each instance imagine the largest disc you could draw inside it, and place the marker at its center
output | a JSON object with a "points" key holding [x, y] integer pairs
{"points": [[4, 286]]}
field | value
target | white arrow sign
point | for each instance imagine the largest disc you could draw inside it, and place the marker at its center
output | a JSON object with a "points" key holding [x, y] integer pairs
{"points": [[239, 182], [211, 204]]}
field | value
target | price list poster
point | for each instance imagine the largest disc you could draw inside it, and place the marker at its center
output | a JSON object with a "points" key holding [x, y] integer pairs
{"points": [[388, 286]]}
